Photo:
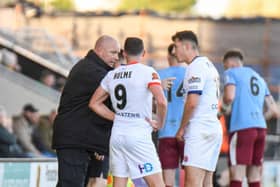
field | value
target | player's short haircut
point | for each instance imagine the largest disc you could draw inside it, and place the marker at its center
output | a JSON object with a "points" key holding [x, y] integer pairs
{"points": [[133, 46], [233, 53], [120, 54], [170, 49], [185, 35]]}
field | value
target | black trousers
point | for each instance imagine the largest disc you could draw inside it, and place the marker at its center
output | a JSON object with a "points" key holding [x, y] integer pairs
{"points": [[75, 166]]}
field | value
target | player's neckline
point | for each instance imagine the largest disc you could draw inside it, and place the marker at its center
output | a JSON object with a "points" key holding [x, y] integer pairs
{"points": [[195, 58], [132, 62]]}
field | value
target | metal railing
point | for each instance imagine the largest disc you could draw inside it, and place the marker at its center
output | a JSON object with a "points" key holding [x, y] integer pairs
{"points": [[52, 52]]}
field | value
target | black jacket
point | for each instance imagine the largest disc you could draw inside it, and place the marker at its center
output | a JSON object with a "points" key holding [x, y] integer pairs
{"points": [[76, 126]]}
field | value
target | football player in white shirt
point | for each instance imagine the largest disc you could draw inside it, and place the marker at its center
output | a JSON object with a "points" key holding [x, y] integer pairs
{"points": [[131, 88], [200, 127]]}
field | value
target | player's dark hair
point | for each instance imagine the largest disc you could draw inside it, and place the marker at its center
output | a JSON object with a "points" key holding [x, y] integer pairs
{"points": [[185, 35], [133, 46], [120, 54], [170, 49], [233, 53]]}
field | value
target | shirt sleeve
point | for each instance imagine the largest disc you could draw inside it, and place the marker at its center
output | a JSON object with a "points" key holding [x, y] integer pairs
{"points": [[195, 80], [153, 78], [105, 82], [229, 78]]}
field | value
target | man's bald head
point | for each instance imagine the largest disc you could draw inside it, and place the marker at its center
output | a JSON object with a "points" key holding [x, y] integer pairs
{"points": [[107, 48], [103, 41]]}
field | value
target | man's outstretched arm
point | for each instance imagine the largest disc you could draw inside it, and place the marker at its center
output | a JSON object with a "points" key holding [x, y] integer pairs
{"points": [[97, 105], [161, 106]]}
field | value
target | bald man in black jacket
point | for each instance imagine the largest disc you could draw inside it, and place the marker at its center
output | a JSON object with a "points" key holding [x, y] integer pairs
{"points": [[79, 133]]}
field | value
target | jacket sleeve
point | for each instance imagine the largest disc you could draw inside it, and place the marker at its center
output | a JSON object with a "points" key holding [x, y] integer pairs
{"points": [[6, 137]]}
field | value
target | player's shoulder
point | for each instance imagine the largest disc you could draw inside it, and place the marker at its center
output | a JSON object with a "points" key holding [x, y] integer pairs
{"points": [[236, 70], [199, 61], [179, 71], [164, 71], [241, 70], [254, 73], [178, 68], [146, 68], [251, 71]]}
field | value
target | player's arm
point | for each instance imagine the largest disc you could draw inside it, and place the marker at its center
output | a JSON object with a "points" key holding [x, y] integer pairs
{"points": [[229, 91], [228, 97], [189, 108], [161, 106], [272, 108], [194, 83], [229, 94], [97, 105]]}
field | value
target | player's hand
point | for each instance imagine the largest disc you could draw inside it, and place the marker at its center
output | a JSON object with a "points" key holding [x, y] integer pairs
{"points": [[180, 134], [167, 83], [153, 123], [98, 156], [225, 109]]}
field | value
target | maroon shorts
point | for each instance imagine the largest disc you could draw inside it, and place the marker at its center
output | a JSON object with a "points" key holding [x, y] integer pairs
{"points": [[171, 152], [246, 147]]}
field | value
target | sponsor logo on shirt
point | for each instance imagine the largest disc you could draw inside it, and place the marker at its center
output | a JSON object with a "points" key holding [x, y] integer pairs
{"points": [[194, 80], [145, 168], [193, 87], [128, 114]]}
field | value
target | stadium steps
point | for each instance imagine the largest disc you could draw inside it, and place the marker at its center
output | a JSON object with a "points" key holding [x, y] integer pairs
{"points": [[32, 64], [17, 89]]}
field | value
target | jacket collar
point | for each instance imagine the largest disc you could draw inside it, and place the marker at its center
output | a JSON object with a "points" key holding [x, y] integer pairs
{"points": [[93, 57]]}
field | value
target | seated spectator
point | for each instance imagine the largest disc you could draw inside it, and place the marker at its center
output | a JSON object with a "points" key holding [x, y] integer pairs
{"points": [[43, 133], [9, 59], [24, 127], [8, 141], [60, 82], [48, 78]]}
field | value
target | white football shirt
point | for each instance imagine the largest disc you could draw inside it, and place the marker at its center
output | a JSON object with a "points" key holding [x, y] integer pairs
{"points": [[202, 78], [131, 98]]}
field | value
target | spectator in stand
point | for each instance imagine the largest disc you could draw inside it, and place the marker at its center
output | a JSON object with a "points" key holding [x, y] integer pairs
{"points": [[24, 127], [45, 130], [48, 78], [9, 59], [8, 141], [60, 82]]}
